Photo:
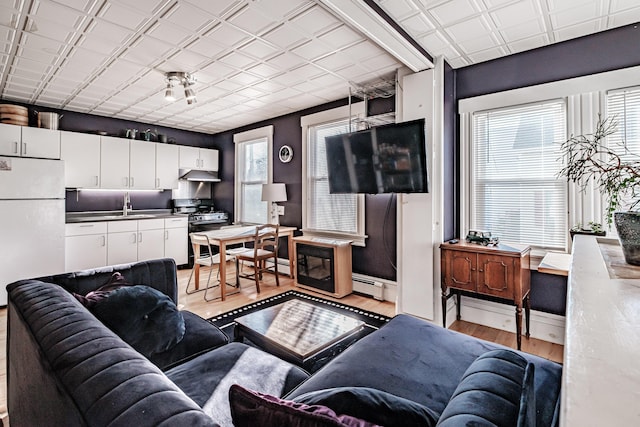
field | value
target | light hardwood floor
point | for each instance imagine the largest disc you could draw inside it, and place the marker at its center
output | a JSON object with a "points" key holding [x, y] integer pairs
{"points": [[195, 303]]}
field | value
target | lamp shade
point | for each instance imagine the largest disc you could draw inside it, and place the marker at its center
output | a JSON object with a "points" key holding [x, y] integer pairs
{"points": [[276, 192]]}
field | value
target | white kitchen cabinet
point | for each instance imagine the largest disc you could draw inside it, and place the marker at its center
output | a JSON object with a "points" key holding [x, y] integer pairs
{"points": [[81, 155], [122, 242], [41, 143], [100, 243], [24, 141], [142, 165], [198, 158], [176, 239], [114, 162], [167, 166], [209, 159], [150, 239], [85, 245]]}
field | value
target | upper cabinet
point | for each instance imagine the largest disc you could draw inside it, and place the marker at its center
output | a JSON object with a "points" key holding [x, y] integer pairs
{"points": [[114, 162], [142, 165], [81, 155], [93, 161], [24, 141], [198, 158], [127, 164], [166, 166]]}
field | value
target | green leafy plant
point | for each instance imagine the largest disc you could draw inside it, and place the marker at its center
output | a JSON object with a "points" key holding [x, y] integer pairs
{"points": [[615, 169]]}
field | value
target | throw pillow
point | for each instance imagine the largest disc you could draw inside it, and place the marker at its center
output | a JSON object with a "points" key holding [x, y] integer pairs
{"points": [[252, 409], [376, 406], [116, 281], [495, 391], [144, 317]]}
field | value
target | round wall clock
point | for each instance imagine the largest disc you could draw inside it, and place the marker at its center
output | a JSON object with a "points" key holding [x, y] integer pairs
{"points": [[285, 154]]}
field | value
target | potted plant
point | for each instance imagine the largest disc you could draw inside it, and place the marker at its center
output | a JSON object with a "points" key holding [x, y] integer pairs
{"points": [[592, 228], [616, 172]]}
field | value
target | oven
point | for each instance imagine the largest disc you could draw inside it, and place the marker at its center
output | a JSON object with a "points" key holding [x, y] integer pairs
{"points": [[202, 217]]}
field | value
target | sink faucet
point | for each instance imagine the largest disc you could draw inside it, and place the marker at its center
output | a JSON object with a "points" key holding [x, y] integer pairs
{"points": [[126, 207]]}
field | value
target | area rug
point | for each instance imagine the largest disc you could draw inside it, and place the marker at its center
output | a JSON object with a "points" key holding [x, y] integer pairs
{"points": [[372, 321]]}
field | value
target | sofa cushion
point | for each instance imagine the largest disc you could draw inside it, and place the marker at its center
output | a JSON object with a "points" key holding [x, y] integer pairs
{"points": [[495, 391], [424, 363], [375, 406], [199, 337], [207, 378], [253, 409], [143, 317]]}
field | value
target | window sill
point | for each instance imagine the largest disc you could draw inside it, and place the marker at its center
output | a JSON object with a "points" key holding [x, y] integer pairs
{"points": [[356, 239]]}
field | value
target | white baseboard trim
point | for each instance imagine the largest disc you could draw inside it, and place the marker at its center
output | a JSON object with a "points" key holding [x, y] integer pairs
{"points": [[543, 326]]}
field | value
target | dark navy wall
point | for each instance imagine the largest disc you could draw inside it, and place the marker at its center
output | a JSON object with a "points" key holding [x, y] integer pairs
{"points": [[597, 53], [378, 257]]}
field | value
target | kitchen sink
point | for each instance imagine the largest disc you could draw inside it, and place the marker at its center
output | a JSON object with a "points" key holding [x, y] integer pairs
{"points": [[128, 216]]}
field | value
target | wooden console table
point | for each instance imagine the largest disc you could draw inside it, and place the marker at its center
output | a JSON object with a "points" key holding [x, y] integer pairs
{"points": [[501, 272]]}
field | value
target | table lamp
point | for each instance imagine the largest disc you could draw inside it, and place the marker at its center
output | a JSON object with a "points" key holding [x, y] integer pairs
{"points": [[276, 192]]}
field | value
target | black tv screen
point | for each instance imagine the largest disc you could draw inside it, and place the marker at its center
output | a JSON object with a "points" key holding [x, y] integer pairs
{"points": [[383, 159]]}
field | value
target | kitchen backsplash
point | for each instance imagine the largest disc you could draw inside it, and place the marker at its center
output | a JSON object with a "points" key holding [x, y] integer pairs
{"points": [[95, 200]]}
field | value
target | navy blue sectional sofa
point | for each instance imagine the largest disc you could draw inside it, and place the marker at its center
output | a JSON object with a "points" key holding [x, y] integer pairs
{"points": [[65, 367]]}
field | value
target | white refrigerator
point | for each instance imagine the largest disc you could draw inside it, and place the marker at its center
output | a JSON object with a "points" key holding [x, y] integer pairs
{"points": [[32, 217]]}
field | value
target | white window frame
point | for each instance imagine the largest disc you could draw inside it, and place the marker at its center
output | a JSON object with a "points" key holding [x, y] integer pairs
{"points": [[472, 151], [356, 110], [250, 136], [586, 97]]}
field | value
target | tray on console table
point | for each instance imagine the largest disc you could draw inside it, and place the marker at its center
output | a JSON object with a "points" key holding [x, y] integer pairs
{"points": [[496, 272]]}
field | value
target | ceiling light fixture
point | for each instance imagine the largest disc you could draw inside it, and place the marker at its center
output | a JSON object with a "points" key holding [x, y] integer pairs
{"points": [[180, 78]]}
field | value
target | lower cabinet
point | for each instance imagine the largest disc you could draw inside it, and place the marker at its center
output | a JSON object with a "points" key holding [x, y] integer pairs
{"points": [[176, 240], [85, 245], [97, 244], [150, 239]]}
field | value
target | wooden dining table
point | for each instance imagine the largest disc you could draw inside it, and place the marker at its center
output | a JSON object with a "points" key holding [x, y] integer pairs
{"points": [[236, 235]]}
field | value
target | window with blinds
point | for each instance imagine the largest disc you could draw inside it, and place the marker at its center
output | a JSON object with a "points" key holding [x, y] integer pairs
{"points": [[624, 107], [253, 172], [515, 157], [334, 213]]}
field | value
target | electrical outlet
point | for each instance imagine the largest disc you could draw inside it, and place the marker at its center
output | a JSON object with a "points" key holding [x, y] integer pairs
{"points": [[280, 210]]}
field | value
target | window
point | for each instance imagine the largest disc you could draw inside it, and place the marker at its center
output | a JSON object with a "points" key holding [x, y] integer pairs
{"points": [[624, 106], [325, 214], [253, 168], [514, 159]]}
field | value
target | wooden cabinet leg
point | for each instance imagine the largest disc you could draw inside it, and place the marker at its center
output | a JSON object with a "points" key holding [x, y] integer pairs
{"points": [[527, 313], [519, 326], [444, 308], [458, 316]]}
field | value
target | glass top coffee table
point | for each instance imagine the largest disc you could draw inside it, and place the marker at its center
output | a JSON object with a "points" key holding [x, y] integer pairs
{"points": [[296, 331]]}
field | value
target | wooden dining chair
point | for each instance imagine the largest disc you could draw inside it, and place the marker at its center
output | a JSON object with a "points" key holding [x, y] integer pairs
{"points": [[207, 259], [265, 246]]}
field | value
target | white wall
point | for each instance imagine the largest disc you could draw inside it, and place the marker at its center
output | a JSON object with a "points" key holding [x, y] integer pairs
{"points": [[420, 215]]}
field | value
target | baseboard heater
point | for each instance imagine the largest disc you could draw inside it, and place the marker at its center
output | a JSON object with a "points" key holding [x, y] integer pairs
{"points": [[368, 285]]}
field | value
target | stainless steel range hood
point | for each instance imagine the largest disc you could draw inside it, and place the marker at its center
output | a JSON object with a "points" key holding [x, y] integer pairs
{"points": [[199, 175]]}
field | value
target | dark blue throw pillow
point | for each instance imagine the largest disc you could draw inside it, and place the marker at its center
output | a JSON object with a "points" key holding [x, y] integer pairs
{"points": [[372, 405], [143, 317], [495, 391]]}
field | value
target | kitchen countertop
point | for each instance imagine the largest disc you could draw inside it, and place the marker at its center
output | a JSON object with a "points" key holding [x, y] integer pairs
{"points": [[75, 217]]}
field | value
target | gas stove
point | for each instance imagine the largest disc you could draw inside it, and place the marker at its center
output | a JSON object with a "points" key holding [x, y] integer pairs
{"points": [[201, 212], [213, 217]]}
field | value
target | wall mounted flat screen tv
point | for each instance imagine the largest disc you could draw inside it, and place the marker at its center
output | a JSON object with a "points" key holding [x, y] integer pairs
{"points": [[383, 159]]}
